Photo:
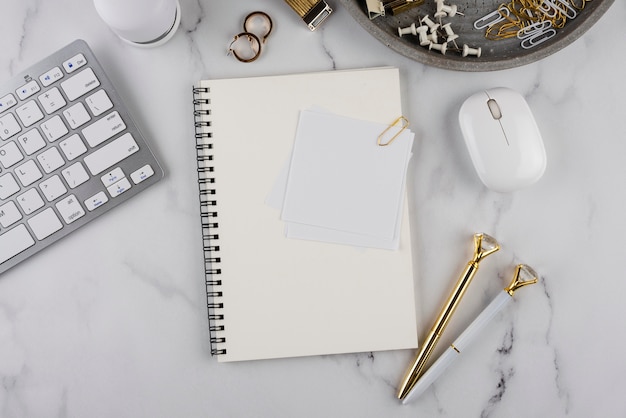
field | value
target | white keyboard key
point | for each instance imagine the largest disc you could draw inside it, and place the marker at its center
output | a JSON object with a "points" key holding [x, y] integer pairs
{"points": [[76, 115], [10, 154], [52, 188], [9, 214], [70, 209], [81, 83], [143, 173], [31, 141], [75, 175], [103, 129], [112, 177], [52, 100], [8, 186], [51, 76], [119, 187], [73, 147], [54, 128], [29, 113], [50, 160], [8, 126], [28, 90], [111, 154], [7, 102], [14, 242], [96, 201], [74, 63], [45, 224], [28, 173], [30, 201], [99, 102]]}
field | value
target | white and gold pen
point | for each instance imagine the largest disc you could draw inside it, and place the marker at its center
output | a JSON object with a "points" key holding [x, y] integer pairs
{"points": [[524, 275]]}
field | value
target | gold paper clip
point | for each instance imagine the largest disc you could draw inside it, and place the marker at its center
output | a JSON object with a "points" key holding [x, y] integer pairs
{"points": [[405, 124]]}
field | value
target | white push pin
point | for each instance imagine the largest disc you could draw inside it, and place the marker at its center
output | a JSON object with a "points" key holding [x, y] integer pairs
{"points": [[433, 37], [450, 35], [440, 12], [409, 30], [451, 10], [471, 51], [423, 34], [431, 25], [439, 47]]}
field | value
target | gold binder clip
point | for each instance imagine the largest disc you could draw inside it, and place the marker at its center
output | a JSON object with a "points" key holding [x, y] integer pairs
{"points": [[405, 124]]}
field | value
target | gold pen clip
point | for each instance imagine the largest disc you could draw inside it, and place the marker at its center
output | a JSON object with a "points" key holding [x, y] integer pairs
{"points": [[405, 124], [524, 275]]}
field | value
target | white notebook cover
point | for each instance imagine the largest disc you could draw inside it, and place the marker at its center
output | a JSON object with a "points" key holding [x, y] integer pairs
{"points": [[282, 297]]}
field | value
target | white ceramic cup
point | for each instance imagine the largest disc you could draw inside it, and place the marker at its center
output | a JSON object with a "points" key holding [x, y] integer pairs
{"points": [[144, 23]]}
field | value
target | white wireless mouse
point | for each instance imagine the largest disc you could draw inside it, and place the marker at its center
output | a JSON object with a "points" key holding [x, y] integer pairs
{"points": [[503, 139]]}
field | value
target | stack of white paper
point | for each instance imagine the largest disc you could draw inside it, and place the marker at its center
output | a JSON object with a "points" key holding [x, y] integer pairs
{"points": [[341, 186]]}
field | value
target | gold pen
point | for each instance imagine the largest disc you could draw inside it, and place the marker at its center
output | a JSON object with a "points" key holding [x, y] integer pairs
{"points": [[484, 245]]}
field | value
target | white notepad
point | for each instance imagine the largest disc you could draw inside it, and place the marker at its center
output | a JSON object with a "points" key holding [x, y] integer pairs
{"points": [[271, 296], [341, 179]]}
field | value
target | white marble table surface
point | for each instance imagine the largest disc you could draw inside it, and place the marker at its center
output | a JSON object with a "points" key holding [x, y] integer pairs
{"points": [[111, 321]]}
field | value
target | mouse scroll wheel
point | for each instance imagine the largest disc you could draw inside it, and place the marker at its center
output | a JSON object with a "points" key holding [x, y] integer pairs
{"points": [[494, 109]]}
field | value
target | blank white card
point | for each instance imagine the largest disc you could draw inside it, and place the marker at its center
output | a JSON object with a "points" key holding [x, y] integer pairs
{"points": [[342, 180]]}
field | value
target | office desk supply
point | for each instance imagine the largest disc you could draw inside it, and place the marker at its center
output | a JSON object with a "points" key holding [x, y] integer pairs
{"points": [[340, 180], [270, 296], [312, 12], [69, 152], [484, 245], [524, 276], [497, 54]]}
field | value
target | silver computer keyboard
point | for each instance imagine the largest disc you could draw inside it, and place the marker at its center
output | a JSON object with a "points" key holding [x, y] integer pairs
{"points": [[69, 151]]}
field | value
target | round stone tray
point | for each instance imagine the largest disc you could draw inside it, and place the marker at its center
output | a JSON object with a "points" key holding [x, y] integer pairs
{"points": [[496, 54]]}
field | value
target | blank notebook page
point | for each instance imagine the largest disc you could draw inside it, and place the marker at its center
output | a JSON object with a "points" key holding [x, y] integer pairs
{"points": [[285, 297]]}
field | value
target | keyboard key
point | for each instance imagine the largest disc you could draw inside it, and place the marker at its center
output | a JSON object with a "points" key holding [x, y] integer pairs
{"points": [[50, 160], [70, 209], [73, 147], [28, 173], [74, 63], [80, 84], [76, 115], [10, 154], [9, 214], [52, 100], [54, 128], [45, 224], [30, 201], [143, 173], [7, 102], [27, 90], [105, 128], [8, 126], [52, 188], [112, 177], [111, 154], [75, 175], [29, 113], [14, 242], [119, 187], [8, 186], [99, 102], [51, 76], [31, 141], [96, 201]]}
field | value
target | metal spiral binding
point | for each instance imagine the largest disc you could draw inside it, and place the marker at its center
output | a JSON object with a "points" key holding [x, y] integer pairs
{"points": [[208, 218]]}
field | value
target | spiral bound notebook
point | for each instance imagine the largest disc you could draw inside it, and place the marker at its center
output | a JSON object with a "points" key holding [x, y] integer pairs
{"points": [[270, 296]]}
